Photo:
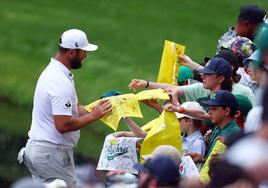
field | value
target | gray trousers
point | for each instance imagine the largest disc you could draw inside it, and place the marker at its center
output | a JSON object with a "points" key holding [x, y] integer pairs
{"points": [[47, 161]]}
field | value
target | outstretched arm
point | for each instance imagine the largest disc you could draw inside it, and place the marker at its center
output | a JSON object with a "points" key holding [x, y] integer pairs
{"points": [[138, 132], [142, 84], [188, 62], [199, 114]]}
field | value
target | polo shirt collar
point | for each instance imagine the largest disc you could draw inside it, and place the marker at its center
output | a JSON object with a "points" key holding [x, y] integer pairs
{"points": [[62, 67]]}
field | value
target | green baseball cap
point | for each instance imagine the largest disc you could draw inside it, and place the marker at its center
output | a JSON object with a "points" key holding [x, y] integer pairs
{"points": [[111, 93], [244, 105], [261, 38], [254, 58], [184, 73]]}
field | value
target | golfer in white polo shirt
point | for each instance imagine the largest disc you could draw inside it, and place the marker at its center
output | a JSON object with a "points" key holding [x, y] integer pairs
{"points": [[56, 116]]}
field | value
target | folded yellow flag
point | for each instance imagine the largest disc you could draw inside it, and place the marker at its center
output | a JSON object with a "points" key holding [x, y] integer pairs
{"points": [[125, 105], [169, 66], [165, 131], [218, 148], [158, 94]]}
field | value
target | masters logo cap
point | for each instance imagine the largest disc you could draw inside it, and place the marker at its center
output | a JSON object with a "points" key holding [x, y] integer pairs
{"points": [[76, 39]]}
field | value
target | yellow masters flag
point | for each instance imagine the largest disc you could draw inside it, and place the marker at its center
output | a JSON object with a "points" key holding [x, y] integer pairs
{"points": [[165, 131], [125, 105], [158, 94], [218, 148], [169, 66]]}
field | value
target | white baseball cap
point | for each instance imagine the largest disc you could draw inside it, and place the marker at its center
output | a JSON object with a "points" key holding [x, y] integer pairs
{"points": [[76, 39], [189, 106], [165, 150]]}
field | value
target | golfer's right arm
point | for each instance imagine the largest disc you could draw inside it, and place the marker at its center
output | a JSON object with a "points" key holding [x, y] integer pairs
{"points": [[65, 123]]}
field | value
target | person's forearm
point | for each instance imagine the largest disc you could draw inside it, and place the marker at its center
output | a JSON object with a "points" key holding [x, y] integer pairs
{"points": [[159, 109], [74, 123], [124, 134], [194, 66], [81, 110], [135, 128], [199, 114], [154, 85]]}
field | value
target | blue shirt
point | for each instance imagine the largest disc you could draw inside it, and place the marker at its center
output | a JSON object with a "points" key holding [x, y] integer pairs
{"points": [[194, 143]]}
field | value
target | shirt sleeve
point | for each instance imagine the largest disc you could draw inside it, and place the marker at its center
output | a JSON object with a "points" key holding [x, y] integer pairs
{"points": [[61, 102], [199, 146], [194, 91], [61, 105]]}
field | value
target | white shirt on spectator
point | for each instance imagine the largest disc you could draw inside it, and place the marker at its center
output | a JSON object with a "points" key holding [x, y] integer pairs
{"points": [[253, 121], [54, 95]]}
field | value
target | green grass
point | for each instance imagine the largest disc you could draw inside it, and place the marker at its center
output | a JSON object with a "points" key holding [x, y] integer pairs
{"points": [[130, 35]]}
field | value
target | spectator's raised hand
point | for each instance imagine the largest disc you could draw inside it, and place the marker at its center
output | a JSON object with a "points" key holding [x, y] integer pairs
{"points": [[185, 60], [154, 104], [173, 95], [171, 107], [137, 84], [220, 138]]}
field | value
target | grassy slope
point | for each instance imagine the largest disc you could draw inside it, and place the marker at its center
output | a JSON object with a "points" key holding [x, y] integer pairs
{"points": [[130, 36]]}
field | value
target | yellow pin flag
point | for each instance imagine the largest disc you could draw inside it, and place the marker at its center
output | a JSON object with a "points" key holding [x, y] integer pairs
{"points": [[170, 63], [165, 131], [125, 105], [218, 148]]}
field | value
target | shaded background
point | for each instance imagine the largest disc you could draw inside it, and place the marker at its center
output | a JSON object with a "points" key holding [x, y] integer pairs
{"points": [[130, 35]]}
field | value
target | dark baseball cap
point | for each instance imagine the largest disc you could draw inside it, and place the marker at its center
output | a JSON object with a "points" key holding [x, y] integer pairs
{"points": [[252, 13], [229, 56], [164, 169], [222, 98], [217, 65]]}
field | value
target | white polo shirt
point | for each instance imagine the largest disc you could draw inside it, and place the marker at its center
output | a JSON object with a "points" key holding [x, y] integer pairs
{"points": [[54, 95]]}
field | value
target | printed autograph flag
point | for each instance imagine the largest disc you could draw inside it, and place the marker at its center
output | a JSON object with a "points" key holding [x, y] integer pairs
{"points": [[119, 154], [125, 105]]}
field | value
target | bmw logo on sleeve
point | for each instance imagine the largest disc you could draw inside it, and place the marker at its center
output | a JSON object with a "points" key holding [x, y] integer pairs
{"points": [[68, 104]]}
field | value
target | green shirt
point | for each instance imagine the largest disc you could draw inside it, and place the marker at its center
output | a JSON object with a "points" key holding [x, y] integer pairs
{"points": [[197, 91], [229, 129]]}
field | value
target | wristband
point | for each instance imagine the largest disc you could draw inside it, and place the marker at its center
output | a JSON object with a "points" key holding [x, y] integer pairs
{"points": [[148, 83]]}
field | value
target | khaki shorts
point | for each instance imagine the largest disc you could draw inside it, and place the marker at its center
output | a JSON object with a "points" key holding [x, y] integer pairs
{"points": [[47, 161]]}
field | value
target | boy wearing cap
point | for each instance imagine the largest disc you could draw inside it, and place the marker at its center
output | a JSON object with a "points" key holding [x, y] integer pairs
{"points": [[244, 106], [249, 18], [222, 109], [57, 117], [192, 139]]}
